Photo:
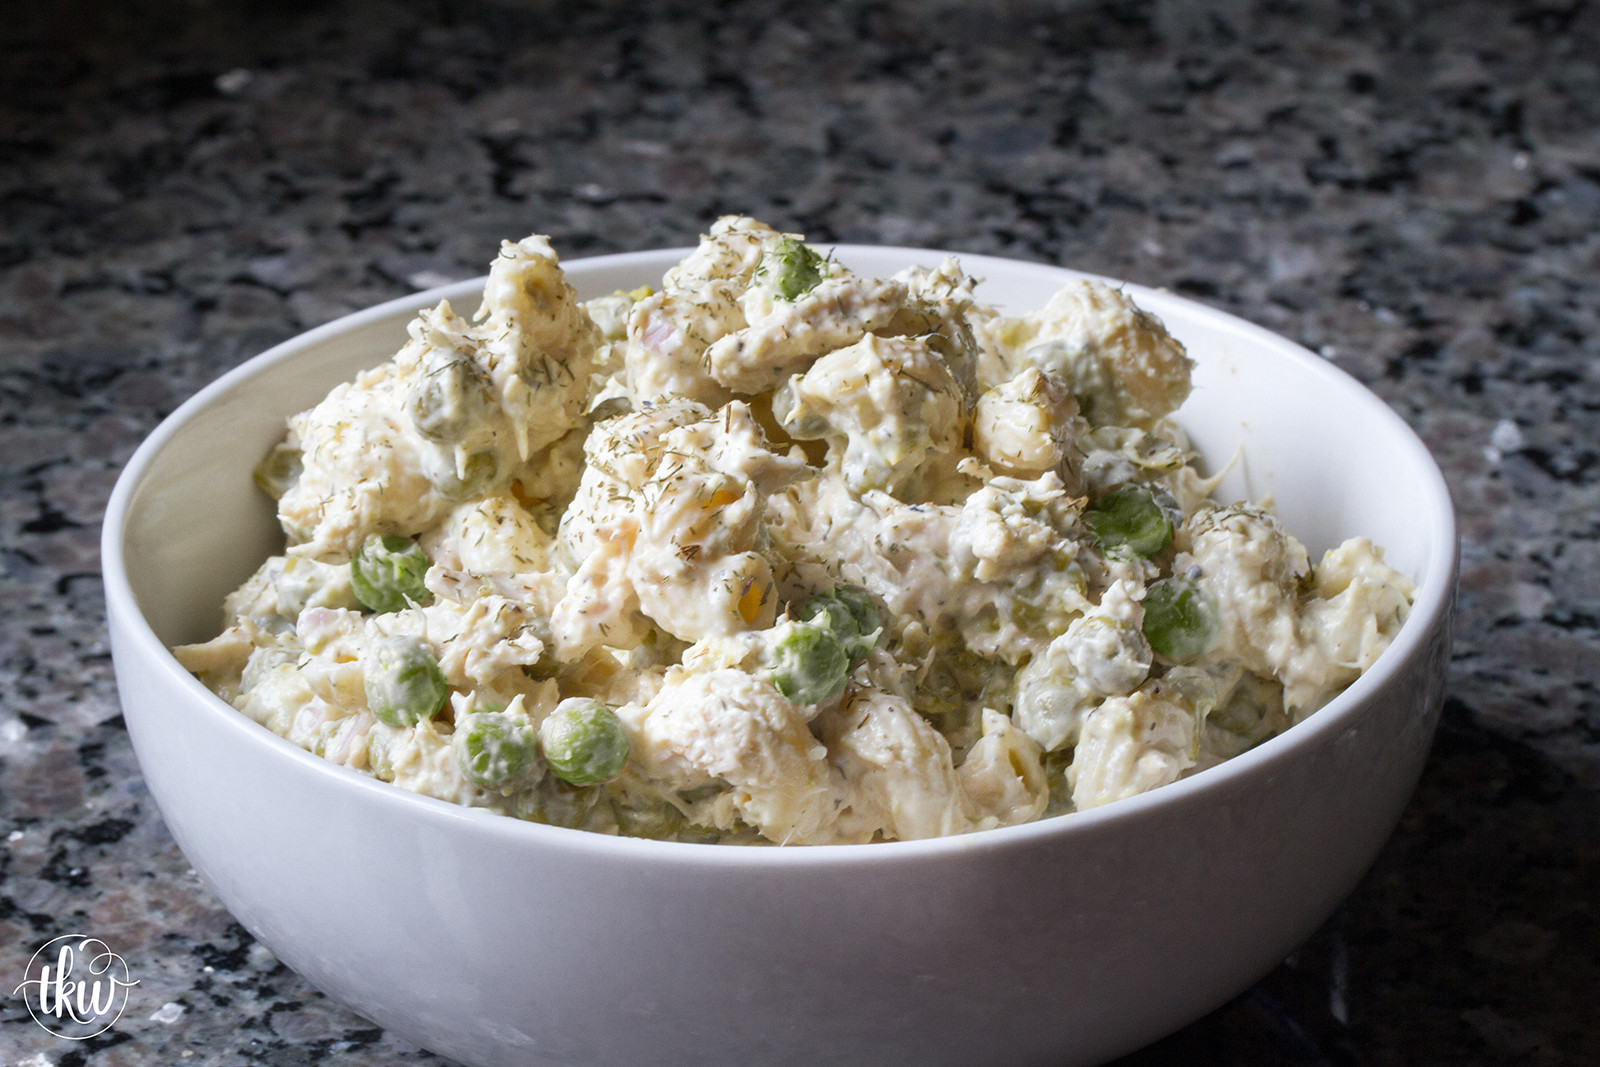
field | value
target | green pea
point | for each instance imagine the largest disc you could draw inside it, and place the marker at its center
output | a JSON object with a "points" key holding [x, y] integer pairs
{"points": [[403, 680], [796, 268], [478, 475], [387, 573], [544, 668], [1129, 516], [494, 748], [1181, 619], [809, 663], [849, 611], [445, 401], [584, 743]]}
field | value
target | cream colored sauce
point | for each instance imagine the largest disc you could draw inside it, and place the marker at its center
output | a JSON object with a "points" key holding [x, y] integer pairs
{"points": [[629, 500]]}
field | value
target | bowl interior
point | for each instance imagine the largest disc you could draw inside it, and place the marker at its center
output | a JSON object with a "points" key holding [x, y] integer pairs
{"points": [[1284, 424]]}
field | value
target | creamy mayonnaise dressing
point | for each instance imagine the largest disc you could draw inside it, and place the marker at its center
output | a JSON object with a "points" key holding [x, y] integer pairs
{"points": [[630, 500]]}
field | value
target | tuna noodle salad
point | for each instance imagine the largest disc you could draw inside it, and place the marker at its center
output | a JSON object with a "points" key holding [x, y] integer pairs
{"points": [[776, 552]]}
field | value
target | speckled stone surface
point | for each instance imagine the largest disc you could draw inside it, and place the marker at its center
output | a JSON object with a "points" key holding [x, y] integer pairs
{"points": [[1412, 189]]}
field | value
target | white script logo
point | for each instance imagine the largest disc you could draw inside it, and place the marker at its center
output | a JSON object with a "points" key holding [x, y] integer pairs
{"points": [[75, 986]]}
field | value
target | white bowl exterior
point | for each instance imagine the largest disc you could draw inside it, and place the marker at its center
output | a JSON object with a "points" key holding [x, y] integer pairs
{"points": [[500, 942]]}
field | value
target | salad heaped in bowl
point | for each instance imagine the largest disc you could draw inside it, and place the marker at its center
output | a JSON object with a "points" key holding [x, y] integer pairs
{"points": [[776, 552]]}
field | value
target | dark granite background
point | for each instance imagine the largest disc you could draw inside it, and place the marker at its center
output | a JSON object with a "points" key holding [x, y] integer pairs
{"points": [[1411, 189]]}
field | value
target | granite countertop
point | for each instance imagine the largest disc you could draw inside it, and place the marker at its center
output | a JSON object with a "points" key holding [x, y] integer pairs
{"points": [[1411, 189]]}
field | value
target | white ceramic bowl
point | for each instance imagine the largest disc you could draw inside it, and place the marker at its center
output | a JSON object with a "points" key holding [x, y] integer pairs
{"points": [[1061, 942]]}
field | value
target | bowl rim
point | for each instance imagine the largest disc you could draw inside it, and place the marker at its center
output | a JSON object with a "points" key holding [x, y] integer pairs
{"points": [[1430, 610]]}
